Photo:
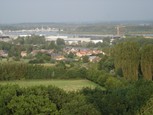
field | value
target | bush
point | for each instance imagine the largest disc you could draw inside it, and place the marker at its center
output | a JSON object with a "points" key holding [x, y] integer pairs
{"points": [[7, 92], [30, 105], [79, 106], [102, 79], [113, 83]]}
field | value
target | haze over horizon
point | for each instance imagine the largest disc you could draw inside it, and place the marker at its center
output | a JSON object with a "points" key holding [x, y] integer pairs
{"points": [[77, 11]]}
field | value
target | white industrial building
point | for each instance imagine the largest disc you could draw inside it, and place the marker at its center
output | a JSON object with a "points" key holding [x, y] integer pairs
{"points": [[73, 40], [68, 40], [54, 38], [97, 41]]}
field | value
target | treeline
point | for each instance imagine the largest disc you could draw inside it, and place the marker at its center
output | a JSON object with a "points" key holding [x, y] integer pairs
{"points": [[133, 61], [21, 71], [34, 39], [18, 71], [104, 78], [134, 99]]}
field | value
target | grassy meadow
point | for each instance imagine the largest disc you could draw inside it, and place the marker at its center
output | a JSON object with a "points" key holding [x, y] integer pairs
{"points": [[67, 85]]}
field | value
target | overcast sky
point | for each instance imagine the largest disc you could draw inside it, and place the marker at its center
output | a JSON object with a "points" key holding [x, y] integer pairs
{"points": [[18, 11]]}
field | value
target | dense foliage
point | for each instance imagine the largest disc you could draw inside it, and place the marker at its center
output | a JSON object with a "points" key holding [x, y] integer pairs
{"points": [[43, 100], [126, 58], [134, 60], [147, 109], [104, 79], [127, 100], [135, 98], [147, 62], [18, 71]]}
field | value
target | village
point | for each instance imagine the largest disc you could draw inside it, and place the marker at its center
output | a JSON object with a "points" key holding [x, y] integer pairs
{"points": [[72, 48], [77, 54]]}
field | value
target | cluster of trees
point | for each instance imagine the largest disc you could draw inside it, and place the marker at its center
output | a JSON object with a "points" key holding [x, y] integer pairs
{"points": [[12, 50], [147, 61], [29, 44], [40, 58], [14, 71], [133, 99], [133, 60], [17, 71], [106, 63], [135, 29], [43, 100], [39, 42], [103, 78], [34, 39]]}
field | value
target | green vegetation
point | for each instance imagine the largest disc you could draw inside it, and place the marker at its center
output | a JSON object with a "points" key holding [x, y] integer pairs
{"points": [[134, 60], [147, 109], [131, 100], [147, 62], [18, 71], [126, 58], [67, 85], [127, 100], [119, 84]]}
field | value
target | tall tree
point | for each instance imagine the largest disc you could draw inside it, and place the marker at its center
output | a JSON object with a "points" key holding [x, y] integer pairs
{"points": [[147, 61], [126, 58]]}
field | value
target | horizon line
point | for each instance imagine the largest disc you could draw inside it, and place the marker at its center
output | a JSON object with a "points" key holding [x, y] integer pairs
{"points": [[81, 22]]}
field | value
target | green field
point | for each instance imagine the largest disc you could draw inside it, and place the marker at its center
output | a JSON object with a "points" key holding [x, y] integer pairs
{"points": [[67, 85]]}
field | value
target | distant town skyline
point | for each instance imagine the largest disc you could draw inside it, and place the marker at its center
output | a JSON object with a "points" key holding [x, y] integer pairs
{"points": [[74, 11]]}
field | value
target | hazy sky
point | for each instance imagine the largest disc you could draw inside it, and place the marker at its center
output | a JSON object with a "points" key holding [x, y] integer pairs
{"points": [[18, 11]]}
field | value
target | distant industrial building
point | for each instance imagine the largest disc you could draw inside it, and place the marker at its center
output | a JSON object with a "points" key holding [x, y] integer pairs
{"points": [[54, 38], [97, 41], [24, 35], [73, 40], [5, 38]]}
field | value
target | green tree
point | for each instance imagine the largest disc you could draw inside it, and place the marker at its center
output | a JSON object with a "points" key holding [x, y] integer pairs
{"points": [[60, 42], [29, 48], [113, 83], [127, 57], [32, 104], [147, 61], [19, 40], [7, 92], [85, 59], [43, 56], [34, 39], [14, 51], [147, 109], [52, 45], [106, 63], [61, 64], [5, 46], [79, 106], [70, 55], [57, 96]]}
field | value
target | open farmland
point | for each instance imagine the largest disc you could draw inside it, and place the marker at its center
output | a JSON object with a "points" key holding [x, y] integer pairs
{"points": [[67, 85]]}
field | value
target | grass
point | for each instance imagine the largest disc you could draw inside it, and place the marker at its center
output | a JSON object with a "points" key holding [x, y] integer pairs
{"points": [[67, 85], [47, 64]]}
